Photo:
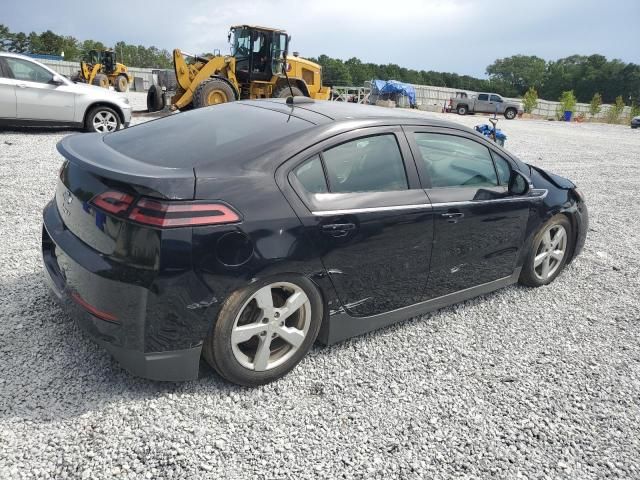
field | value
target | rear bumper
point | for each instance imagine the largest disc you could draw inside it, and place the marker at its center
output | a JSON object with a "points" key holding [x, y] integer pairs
{"points": [[112, 312]]}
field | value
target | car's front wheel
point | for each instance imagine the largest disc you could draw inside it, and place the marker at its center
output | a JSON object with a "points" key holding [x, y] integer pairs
{"points": [[549, 252], [264, 330], [102, 119]]}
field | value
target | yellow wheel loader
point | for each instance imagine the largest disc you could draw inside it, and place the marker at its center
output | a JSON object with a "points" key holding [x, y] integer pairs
{"points": [[255, 69], [100, 68]]}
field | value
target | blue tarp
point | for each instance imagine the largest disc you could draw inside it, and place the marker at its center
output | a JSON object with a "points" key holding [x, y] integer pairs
{"points": [[393, 87]]}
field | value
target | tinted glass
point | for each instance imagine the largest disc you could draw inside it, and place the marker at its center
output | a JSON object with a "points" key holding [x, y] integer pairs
{"points": [[28, 71], [226, 132], [311, 176], [503, 168], [452, 161], [496, 98], [483, 96], [368, 164]]}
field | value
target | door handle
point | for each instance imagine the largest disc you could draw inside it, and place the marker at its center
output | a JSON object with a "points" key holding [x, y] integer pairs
{"points": [[452, 217], [21, 85], [338, 229]]}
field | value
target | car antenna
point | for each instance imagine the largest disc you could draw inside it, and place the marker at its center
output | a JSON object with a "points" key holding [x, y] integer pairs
{"points": [[284, 69]]}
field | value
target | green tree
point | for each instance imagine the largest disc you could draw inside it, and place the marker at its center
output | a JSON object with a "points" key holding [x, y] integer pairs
{"points": [[6, 37], [596, 104], [530, 100], [518, 71]]}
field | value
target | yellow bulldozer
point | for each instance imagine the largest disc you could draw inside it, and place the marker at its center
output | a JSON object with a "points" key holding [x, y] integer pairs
{"points": [[101, 68], [255, 69]]}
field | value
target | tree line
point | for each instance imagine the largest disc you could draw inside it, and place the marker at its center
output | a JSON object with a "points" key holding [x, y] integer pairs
{"points": [[50, 43], [512, 76]]}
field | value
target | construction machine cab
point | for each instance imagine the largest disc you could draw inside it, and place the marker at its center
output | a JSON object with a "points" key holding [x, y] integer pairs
{"points": [[259, 52]]}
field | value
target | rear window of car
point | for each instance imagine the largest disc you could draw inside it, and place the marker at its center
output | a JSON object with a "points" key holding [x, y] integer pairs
{"points": [[205, 135]]}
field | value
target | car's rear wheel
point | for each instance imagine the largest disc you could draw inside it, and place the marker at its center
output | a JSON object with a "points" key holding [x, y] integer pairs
{"points": [[102, 119], [510, 113], [462, 110], [264, 330], [549, 252]]}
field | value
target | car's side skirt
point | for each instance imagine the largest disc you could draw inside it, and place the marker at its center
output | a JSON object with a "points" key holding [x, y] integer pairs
{"points": [[15, 122], [343, 326]]}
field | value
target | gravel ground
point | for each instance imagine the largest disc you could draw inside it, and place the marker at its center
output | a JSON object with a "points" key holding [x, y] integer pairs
{"points": [[521, 383]]}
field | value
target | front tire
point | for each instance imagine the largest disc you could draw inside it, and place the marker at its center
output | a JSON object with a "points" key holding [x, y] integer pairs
{"points": [[102, 120], [549, 252], [264, 330], [212, 92], [101, 80], [121, 83], [510, 113]]}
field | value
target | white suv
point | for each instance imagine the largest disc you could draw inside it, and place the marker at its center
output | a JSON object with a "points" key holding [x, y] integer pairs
{"points": [[32, 94]]}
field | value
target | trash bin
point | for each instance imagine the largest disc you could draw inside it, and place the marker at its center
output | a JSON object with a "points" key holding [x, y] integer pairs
{"points": [[567, 115]]}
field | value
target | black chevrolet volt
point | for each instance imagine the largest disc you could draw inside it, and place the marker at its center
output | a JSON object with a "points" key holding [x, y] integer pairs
{"points": [[244, 232]]}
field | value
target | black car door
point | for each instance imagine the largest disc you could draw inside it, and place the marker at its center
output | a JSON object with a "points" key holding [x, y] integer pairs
{"points": [[359, 198], [479, 227]]}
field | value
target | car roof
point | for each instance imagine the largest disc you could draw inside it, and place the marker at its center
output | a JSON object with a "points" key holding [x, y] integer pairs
{"points": [[324, 111]]}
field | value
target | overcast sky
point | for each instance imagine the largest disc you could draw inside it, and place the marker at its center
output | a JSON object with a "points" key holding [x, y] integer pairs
{"points": [[461, 36]]}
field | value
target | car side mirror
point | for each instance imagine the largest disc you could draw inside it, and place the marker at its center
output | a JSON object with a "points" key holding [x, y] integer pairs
{"points": [[57, 80], [519, 184]]}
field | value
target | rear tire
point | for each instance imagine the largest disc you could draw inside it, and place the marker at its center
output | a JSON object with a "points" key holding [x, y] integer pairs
{"points": [[121, 83], [102, 119], [212, 92], [155, 99], [101, 80], [255, 340], [510, 113], [285, 92], [462, 110], [548, 253]]}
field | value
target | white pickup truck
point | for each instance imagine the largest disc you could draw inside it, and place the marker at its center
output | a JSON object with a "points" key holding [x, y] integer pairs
{"points": [[484, 103]]}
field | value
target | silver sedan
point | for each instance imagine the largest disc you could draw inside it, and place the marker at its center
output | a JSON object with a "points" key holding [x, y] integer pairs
{"points": [[31, 94]]}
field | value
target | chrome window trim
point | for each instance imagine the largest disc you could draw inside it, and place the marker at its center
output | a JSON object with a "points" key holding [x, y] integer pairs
{"points": [[324, 213], [538, 194]]}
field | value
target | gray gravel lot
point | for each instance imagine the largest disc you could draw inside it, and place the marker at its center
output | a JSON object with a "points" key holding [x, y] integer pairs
{"points": [[521, 383]]}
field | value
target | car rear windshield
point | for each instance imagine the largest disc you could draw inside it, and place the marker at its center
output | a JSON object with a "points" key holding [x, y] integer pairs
{"points": [[205, 135]]}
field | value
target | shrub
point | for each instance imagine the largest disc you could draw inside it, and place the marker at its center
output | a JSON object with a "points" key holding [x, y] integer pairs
{"points": [[596, 104], [530, 100], [568, 101], [615, 110]]}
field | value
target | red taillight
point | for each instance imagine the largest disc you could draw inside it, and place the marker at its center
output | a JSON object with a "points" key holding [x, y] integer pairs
{"points": [[93, 310], [113, 202], [164, 214]]}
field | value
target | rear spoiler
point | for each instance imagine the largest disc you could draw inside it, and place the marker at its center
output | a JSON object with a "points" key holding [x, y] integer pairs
{"points": [[89, 151]]}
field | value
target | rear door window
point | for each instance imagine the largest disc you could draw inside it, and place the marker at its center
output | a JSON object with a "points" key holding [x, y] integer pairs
{"points": [[368, 164], [483, 97], [311, 175]]}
